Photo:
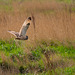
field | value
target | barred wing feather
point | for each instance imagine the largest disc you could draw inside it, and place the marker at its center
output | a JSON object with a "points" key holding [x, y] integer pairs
{"points": [[14, 33]]}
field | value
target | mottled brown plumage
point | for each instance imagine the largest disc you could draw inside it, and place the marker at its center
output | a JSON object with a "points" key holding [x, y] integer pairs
{"points": [[21, 35]]}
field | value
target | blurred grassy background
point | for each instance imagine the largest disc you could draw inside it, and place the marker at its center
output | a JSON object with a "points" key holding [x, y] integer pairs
{"points": [[54, 20]]}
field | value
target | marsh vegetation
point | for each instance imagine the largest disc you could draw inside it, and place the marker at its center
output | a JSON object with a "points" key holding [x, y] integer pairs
{"points": [[43, 58], [50, 49]]}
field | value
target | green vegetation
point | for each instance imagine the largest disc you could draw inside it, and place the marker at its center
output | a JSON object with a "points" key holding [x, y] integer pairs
{"points": [[8, 5], [10, 48], [66, 1], [44, 59]]}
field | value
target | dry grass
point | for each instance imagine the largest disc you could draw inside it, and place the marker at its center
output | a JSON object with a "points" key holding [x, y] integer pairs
{"points": [[53, 20]]}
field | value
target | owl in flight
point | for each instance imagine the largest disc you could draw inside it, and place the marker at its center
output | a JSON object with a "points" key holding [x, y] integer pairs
{"points": [[21, 35]]}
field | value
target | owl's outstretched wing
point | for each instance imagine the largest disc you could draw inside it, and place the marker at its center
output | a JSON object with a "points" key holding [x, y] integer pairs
{"points": [[14, 33], [25, 26]]}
